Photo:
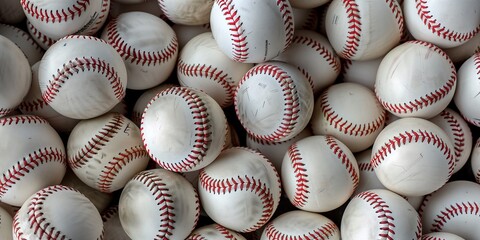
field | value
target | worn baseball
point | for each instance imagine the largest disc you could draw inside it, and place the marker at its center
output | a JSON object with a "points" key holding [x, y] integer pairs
{"points": [[351, 113], [112, 227], [413, 157], [187, 12], [416, 79], [301, 225], [24, 41], [158, 204], [441, 236], [453, 208], [240, 190], [431, 21], [380, 214], [5, 224], [319, 184], [252, 31], [274, 101], [361, 72], [183, 129], [57, 212], [148, 46], [33, 157], [214, 231], [143, 101], [41, 39], [217, 75], [364, 30], [82, 77], [468, 89]]}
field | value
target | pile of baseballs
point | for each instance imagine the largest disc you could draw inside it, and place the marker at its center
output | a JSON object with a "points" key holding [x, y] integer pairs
{"points": [[239, 119]]}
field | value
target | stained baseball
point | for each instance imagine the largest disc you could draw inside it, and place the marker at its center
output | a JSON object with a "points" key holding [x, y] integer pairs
{"points": [[187, 12]]}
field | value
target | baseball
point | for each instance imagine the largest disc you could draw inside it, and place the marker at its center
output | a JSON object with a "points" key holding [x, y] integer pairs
{"points": [[468, 89], [24, 41], [351, 113], [142, 102], [441, 236], [158, 204], [252, 31], [183, 129], [319, 184], [82, 77], [41, 39], [413, 157], [240, 190], [217, 75], [148, 46], [364, 30], [380, 214], [274, 101], [416, 79], [112, 227], [187, 12], [429, 20], [214, 231]]}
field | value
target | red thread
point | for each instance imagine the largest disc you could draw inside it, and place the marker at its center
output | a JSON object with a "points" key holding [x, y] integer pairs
{"points": [[24, 35], [301, 176], [459, 140], [354, 29], [397, 12], [288, 24], [109, 213], [239, 40], [5, 111], [456, 209], [225, 232], [324, 232], [384, 214], [39, 36], [350, 167], [366, 167], [22, 119], [346, 64], [317, 46], [60, 15]]}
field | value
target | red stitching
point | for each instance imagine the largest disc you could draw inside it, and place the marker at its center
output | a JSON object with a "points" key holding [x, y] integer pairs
{"points": [[323, 232], [365, 166], [346, 64], [418, 231], [80, 65], [308, 76], [239, 40], [99, 21], [311, 21], [99, 140], [49, 15], [109, 213], [29, 163], [25, 36], [210, 72], [459, 140], [241, 183], [328, 55], [288, 24], [354, 29], [437, 28], [429, 98], [202, 129], [32, 105], [39, 36], [397, 12], [139, 56], [332, 143], [413, 136], [225, 232], [110, 171], [22, 119], [432, 238], [5, 111], [301, 176], [385, 220], [291, 102], [452, 211]]}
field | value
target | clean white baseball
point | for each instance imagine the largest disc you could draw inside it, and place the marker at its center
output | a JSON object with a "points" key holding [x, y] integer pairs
{"points": [[148, 46], [468, 89], [217, 75], [158, 204], [24, 41], [252, 31], [361, 72], [364, 30], [301, 225], [466, 50], [187, 12], [319, 184], [441, 236], [380, 214], [313, 55], [5, 225], [351, 113], [183, 129], [240, 190], [475, 160], [112, 227], [454, 208], [82, 77], [308, 3], [106, 151], [58, 212], [274, 101], [15, 76], [11, 12], [429, 21], [413, 157], [143, 101], [416, 79], [214, 231], [41, 39], [33, 157]]}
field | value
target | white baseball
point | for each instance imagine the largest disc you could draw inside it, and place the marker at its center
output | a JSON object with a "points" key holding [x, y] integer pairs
{"points": [[454, 208], [441, 236], [314, 56], [214, 231], [148, 46], [24, 41], [252, 31], [112, 227], [143, 101], [319, 184], [351, 113], [361, 72], [33, 157], [429, 21], [467, 90], [240, 190], [82, 77], [187, 12], [475, 160], [301, 225], [459, 133], [308, 3], [186, 32], [158, 204], [5, 225], [380, 214], [274, 101], [106, 151], [416, 79], [217, 75], [413, 157], [41, 39], [183, 129], [11, 12], [15, 76], [364, 30], [466, 50]]}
